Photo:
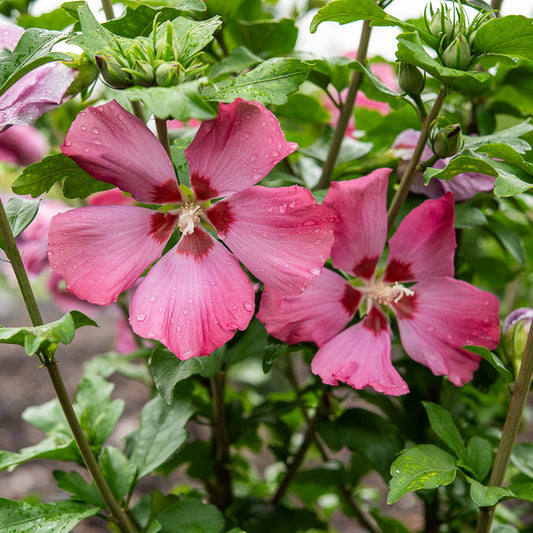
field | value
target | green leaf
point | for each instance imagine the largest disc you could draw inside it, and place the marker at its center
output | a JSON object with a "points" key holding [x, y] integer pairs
{"points": [[459, 165], [183, 5], [442, 423], [268, 83], [346, 11], [387, 524], [138, 20], [508, 154], [118, 471], [33, 49], [168, 370], [56, 20], [411, 50], [273, 351], [60, 331], [111, 362], [56, 517], [239, 59], [493, 360], [511, 35], [468, 217], [510, 136], [193, 516], [268, 38], [422, 467], [20, 213], [194, 35], [479, 456], [182, 101], [162, 430], [94, 37], [522, 457], [386, 93], [39, 177], [75, 484], [484, 496], [522, 491], [57, 448], [509, 240], [248, 344]]}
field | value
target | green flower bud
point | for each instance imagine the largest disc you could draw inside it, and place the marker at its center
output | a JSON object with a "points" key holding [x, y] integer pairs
{"points": [[87, 74], [515, 331], [167, 74], [457, 55], [447, 141], [410, 79], [441, 25], [112, 72], [142, 74]]}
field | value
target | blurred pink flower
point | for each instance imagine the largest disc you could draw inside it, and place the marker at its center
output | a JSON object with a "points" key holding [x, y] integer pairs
{"points": [[463, 186], [22, 145], [196, 296], [35, 93], [436, 314]]}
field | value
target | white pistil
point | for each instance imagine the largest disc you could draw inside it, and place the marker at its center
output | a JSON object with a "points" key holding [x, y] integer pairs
{"points": [[189, 217], [384, 294]]}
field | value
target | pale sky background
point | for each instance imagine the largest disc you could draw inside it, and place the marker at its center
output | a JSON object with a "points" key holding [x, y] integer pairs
{"points": [[332, 38]]}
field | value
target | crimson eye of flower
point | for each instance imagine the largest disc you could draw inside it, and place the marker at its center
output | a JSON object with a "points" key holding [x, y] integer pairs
{"points": [[196, 295]]}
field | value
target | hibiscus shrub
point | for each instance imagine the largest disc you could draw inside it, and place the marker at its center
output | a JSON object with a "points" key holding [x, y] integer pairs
{"points": [[306, 261]]}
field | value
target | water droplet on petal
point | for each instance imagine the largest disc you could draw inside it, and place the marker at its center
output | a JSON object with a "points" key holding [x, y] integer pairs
{"points": [[185, 311], [83, 128], [315, 271], [68, 143], [292, 204], [309, 222], [248, 307], [141, 317], [283, 208], [152, 299], [275, 153], [96, 131], [189, 300]]}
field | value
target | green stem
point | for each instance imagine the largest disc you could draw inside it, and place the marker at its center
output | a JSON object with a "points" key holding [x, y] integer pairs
{"points": [[497, 5], [137, 109], [14, 258], [346, 111], [410, 172], [108, 9], [510, 431], [222, 489], [162, 133]]}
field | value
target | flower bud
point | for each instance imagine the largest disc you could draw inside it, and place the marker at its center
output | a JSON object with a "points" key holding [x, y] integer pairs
{"points": [[441, 25], [410, 79], [515, 331], [167, 74], [457, 54], [143, 74], [112, 72], [447, 141]]}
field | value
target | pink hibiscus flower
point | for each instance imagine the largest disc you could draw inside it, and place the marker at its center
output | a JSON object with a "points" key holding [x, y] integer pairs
{"points": [[464, 186], [436, 314], [22, 145], [196, 296], [35, 93]]}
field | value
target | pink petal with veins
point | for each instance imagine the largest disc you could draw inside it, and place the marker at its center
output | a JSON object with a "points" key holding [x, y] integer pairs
{"points": [[424, 243], [116, 147], [361, 227], [316, 315], [235, 150], [444, 315], [194, 298], [102, 250], [360, 356], [280, 234], [22, 145]]}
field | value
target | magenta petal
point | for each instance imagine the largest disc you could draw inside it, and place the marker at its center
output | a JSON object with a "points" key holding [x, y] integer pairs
{"points": [[444, 315], [361, 357], [102, 250], [235, 150], [114, 146], [316, 315], [194, 298], [361, 227], [424, 244], [280, 234], [22, 145]]}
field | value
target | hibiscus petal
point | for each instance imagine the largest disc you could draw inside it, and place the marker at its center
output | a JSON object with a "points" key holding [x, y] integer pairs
{"points": [[444, 315], [424, 244], [235, 150], [361, 357], [102, 250], [280, 234], [316, 315], [22, 145], [194, 298], [114, 146], [361, 226]]}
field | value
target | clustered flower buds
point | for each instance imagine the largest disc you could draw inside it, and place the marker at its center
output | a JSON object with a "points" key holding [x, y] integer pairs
{"points": [[447, 141], [453, 36], [410, 79], [147, 61]]}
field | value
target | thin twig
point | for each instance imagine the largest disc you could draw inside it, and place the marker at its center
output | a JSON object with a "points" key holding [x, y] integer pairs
{"points": [[108, 9], [162, 134], [410, 172], [346, 111], [497, 6], [510, 431], [138, 110]]}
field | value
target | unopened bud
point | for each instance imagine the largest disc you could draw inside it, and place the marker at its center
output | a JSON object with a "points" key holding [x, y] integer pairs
{"points": [[167, 74], [457, 55], [112, 72], [143, 74], [410, 79], [515, 331], [447, 141], [441, 26]]}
